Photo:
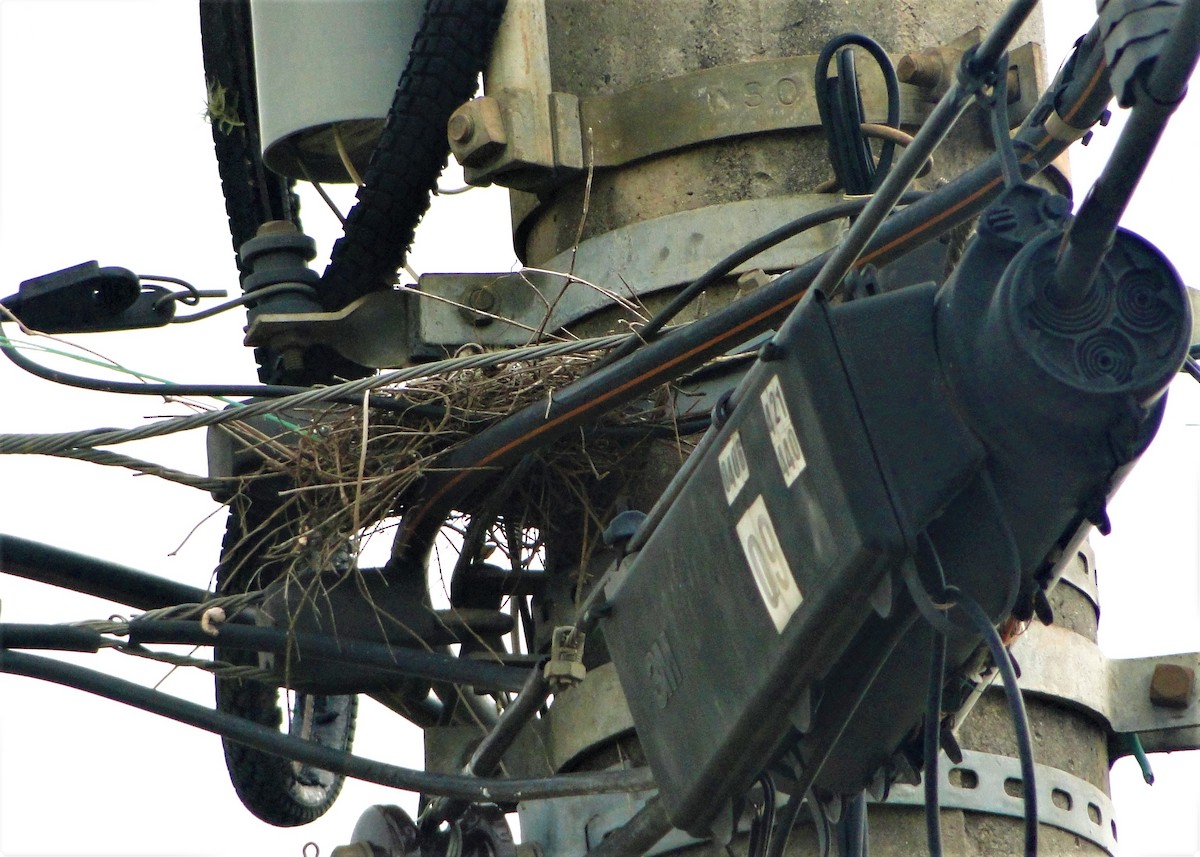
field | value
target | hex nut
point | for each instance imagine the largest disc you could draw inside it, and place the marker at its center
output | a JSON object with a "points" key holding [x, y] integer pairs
{"points": [[1172, 686], [476, 131]]}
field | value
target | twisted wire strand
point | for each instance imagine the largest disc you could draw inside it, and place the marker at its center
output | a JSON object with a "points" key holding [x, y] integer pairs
{"points": [[231, 604], [27, 444], [217, 668], [149, 468]]}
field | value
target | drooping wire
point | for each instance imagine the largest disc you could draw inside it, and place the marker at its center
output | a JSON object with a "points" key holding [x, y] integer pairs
{"points": [[764, 819], [948, 598], [839, 104], [852, 834], [250, 297], [1010, 164], [190, 296], [932, 741], [35, 443], [269, 740]]}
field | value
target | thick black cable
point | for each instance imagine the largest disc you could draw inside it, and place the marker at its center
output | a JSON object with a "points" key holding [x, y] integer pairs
{"points": [[1016, 705], [398, 660], [784, 824], [764, 820], [638, 835], [89, 575], [485, 760], [932, 742], [259, 391], [839, 106], [1091, 232], [62, 638], [259, 737]]}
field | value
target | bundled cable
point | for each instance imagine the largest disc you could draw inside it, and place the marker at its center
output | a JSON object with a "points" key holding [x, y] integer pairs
{"points": [[839, 104]]}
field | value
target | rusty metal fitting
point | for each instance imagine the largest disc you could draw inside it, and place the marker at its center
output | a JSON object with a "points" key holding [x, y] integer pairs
{"points": [[476, 131], [481, 299], [1172, 686]]}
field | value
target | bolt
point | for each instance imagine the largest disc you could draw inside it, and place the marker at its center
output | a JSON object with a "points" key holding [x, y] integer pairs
{"points": [[1172, 686], [479, 300], [924, 69], [482, 299], [476, 131], [460, 128]]}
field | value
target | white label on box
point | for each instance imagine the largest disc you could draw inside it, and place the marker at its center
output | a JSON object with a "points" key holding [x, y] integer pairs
{"points": [[783, 434], [735, 472], [772, 574]]}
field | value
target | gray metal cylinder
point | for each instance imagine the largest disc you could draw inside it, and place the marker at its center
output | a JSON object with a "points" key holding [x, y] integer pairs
{"points": [[326, 67]]}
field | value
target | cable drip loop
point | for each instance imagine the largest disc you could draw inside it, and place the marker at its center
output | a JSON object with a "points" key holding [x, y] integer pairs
{"points": [[839, 104], [941, 602]]}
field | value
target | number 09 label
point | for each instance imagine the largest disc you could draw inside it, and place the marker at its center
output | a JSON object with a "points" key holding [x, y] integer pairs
{"points": [[768, 565]]}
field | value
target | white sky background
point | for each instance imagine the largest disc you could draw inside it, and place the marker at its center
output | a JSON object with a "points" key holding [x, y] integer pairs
{"points": [[104, 155]]}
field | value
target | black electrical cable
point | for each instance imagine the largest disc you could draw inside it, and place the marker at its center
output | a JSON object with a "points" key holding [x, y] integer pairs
{"points": [[941, 602], [1016, 706], [261, 391], [487, 755], [63, 638], [932, 741], [784, 824], [398, 660], [839, 104], [1010, 164], [89, 575], [259, 737], [650, 330], [764, 819], [638, 835], [1159, 93]]}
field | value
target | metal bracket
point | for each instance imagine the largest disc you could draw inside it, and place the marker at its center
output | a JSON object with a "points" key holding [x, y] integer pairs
{"points": [[632, 262], [523, 135], [754, 97], [1063, 666], [982, 783], [372, 331]]}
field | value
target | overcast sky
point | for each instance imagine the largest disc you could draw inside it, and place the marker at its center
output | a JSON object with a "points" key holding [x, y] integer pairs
{"points": [[104, 155]]}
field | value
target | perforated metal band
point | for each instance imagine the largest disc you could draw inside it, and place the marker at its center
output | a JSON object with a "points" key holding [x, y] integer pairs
{"points": [[978, 784]]}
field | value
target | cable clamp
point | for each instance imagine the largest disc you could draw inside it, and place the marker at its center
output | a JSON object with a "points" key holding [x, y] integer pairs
{"points": [[210, 619], [565, 667], [1060, 130]]}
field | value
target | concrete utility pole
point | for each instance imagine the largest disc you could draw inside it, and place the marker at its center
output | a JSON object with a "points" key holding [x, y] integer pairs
{"points": [[642, 143]]}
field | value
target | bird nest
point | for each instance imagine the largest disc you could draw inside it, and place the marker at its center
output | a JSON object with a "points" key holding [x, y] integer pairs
{"points": [[341, 470]]}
